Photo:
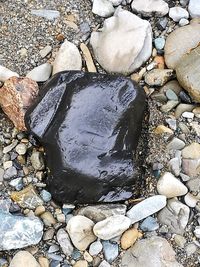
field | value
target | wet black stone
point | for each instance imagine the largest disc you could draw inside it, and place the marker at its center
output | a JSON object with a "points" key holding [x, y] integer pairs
{"points": [[185, 97], [89, 125]]}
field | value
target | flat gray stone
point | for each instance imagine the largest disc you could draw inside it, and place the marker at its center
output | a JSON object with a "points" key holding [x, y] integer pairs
{"points": [[151, 252], [175, 215], [146, 208]]}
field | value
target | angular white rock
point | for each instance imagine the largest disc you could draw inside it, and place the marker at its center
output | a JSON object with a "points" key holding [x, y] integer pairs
{"points": [[19, 231], [169, 186], [40, 73], [64, 242], [177, 13], [197, 231], [6, 74], [67, 58], [149, 7], [111, 227], [102, 8], [146, 208], [24, 259], [80, 231], [194, 8], [124, 43]]}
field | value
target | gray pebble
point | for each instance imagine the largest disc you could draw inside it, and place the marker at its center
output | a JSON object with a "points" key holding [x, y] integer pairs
{"points": [[159, 43], [149, 224], [110, 250], [10, 173], [45, 195], [95, 248]]}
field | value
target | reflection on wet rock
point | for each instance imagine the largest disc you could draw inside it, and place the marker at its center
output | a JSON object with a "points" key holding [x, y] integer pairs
{"points": [[89, 125]]}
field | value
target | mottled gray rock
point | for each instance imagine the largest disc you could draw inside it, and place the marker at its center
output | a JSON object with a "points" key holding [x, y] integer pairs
{"points": [[150, 7], [151, 252], [64, 242], [180, 41], [37, 160], [158, 77], [40, 73], [175, 215], [146, 208], [123, 44], [19, 231], [100, 212], [67, 58], [111, 227]]}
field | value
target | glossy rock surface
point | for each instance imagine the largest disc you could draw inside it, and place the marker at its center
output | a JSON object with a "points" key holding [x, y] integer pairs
{"points": [[89, 124]]}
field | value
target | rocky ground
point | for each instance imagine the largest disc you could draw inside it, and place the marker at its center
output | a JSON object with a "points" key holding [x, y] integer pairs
{"points": [[162, 226]]}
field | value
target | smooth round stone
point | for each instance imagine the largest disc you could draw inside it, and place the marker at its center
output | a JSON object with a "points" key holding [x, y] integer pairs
{"points": [[44, 262], [40, 73], [188, 115], [177, 13], [45, 51], [180, 240], [150, 8], [24, 259], [80, 230], [179, 42], [81, 263], [183, 108], [169, 106], [21, 149], [190, 200], [159, 43], [176, 144], [39, 210], [111, 227], [129, 238], [171, 95], [169, 186], [110, 250], [95, 248], [149, 224], [183, 22], [191, 151], [174, 165]]}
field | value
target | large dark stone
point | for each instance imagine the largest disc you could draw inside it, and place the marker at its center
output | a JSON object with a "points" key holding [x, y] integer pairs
{"points": [[89, 125]]}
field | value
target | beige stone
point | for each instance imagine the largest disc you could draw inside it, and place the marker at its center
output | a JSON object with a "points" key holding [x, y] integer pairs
{"points": [[24, 259], [192, 151], [44, 262], [129, 238], [180, 42]]}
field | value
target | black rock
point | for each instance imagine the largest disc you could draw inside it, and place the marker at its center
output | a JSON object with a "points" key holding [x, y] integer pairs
{"points": [[89, 125]]}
